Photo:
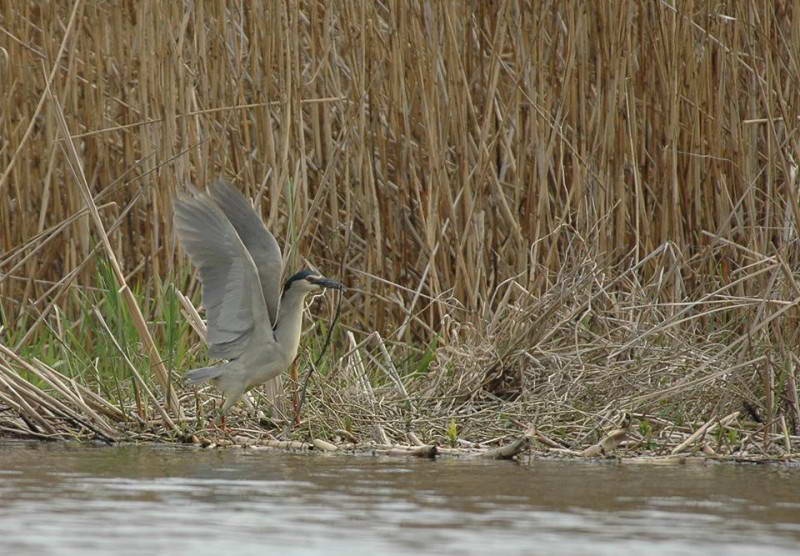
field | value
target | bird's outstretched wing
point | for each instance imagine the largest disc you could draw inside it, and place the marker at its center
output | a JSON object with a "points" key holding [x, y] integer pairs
{"points": [[232, 294], [257, 239]]}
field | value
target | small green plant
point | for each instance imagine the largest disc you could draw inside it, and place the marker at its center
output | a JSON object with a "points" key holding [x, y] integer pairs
{"points": [[452, 433], [646, 430], [726, 436]]}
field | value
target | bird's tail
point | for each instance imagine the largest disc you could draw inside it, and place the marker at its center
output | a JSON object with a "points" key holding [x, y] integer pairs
{"points": [[204, 374]]}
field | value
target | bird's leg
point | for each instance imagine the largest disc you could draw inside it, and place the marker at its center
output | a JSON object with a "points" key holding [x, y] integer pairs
{"points": [[222, 427], [231, 397]]}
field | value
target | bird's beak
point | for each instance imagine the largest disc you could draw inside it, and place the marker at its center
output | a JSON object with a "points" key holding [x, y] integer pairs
{"points": [[327, 283]]}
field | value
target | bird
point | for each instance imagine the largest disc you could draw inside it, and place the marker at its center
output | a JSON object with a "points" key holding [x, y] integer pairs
{"points": [[251, 322]]}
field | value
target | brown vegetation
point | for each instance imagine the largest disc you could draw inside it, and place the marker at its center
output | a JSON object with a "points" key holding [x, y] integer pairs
{"points": [[546, 212]]}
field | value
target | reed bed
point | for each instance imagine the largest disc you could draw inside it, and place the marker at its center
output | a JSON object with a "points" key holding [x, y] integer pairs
{"points": [[549, 215]]}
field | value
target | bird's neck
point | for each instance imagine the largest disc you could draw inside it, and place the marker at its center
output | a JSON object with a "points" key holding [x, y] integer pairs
{"points": [[290, 323]]}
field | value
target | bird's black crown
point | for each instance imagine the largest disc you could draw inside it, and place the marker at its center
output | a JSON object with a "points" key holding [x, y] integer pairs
{"points": [[302, 275]]}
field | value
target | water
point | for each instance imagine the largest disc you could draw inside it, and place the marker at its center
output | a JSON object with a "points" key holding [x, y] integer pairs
{"points": [[79, 500]]}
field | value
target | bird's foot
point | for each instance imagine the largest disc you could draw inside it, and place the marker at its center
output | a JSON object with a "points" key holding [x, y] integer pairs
{"points": [[222, 427]]}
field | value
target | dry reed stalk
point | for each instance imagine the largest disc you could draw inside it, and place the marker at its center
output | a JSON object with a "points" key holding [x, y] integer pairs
{"points": [[20, 402], [284, 445], [27, 393], [64, 40], [141, 382], [706, 428], [162, 374], [323, 445], [94, 400], [792, 392], [74, 397], [510, 450], [191, 314], [429, 451]]}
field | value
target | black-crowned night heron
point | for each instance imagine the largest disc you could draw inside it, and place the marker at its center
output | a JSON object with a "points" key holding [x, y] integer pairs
{"points": [[251, 323]]}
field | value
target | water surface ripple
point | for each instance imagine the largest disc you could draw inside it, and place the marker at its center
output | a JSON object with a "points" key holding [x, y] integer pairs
{"points": [[78, 500]]}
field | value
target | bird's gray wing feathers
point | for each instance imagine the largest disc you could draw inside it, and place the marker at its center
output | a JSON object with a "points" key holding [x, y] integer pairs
{"points": [[256, 238], [231, 291]]}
